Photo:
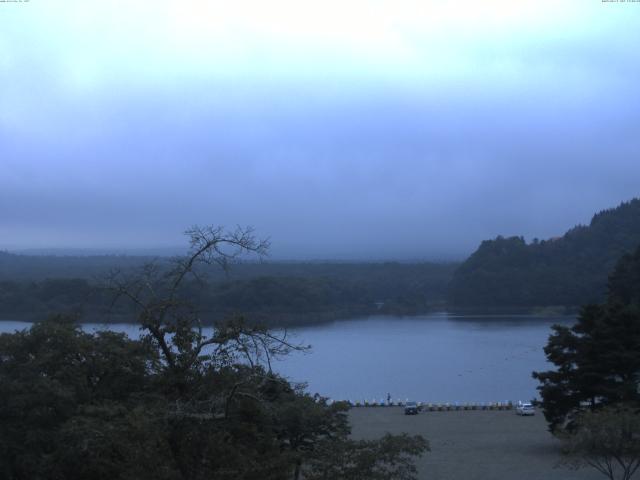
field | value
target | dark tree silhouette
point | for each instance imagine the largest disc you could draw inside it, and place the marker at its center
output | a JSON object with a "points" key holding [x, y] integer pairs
{"points": [[180, 403], [598, 359]]}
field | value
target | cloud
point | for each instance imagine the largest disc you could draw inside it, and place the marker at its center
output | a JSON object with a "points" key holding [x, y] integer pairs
{"points": [[371, 129]]}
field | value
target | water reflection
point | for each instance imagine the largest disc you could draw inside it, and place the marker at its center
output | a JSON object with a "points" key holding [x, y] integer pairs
{"points": [[432, 358]]}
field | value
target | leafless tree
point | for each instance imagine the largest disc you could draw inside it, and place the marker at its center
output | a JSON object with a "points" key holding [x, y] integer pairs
{"points": [[172, 323]]}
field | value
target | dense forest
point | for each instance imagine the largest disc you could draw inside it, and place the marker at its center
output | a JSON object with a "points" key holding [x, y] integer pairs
{"points": [[567, 271], [505, 274], [175, 404], [274, 293]]}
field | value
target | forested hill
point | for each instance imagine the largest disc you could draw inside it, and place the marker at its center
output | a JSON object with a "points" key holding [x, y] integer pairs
{"points": [[567, 271], [31, 287]]}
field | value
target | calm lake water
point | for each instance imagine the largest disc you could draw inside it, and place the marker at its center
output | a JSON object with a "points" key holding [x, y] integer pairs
{"points": [[431, 358]]}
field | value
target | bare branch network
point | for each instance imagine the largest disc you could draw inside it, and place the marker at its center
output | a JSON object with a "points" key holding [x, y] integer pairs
{"points": [[173, 323]]}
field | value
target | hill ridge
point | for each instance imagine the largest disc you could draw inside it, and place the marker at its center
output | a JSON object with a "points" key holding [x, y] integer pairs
{"points": [[569, 270]]}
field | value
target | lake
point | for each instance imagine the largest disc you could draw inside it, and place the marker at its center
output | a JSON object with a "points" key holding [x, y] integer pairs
{"points": [[430, 358]]}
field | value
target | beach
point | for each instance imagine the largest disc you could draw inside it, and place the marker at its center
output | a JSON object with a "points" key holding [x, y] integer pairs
{"points": [[474, 445]]}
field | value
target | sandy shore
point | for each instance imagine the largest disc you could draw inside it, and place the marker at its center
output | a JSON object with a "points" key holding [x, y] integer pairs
{"points": [[474, 445]]}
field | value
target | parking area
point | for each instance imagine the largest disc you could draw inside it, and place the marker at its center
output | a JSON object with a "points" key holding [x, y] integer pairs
{"points": [[474, 445]]}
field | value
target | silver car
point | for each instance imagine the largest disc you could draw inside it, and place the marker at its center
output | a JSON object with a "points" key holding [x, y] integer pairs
{"points": [[525, 409]]}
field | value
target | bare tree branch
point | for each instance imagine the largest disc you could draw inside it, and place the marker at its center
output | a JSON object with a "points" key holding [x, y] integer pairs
{"points": [[174, 324]]}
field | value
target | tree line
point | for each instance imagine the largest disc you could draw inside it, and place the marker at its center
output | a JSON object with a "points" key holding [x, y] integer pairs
{"points": [[506, 274], [567, 271], [175, 404], [267, 293]]}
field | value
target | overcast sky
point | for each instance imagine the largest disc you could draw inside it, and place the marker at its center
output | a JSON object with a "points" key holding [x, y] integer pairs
{"points": [[339, 128]]}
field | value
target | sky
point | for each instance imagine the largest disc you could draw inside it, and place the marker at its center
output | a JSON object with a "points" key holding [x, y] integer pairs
{"points": [[346, 129]]}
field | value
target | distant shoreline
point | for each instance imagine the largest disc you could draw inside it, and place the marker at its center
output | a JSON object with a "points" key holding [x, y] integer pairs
{"points": [[280, 320]]}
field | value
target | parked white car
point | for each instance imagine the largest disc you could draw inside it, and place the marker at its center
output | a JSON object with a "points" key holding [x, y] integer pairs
{"points": [[525, 409]]}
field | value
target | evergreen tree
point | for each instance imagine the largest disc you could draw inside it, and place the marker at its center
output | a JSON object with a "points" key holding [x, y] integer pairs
{"points": [[597, 359]]}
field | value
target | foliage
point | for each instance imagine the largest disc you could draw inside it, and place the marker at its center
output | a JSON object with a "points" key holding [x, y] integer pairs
{"points": [[176, 404], [567, 271], [57, 380], [273, 293], [607, 440], [391, 457], [597, 359]]}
